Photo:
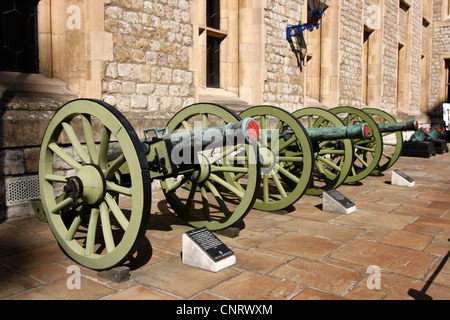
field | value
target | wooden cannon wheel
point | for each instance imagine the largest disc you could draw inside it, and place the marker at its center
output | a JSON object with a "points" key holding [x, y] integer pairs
{"points": [[80, 190], [392, 141], [333, 159], [202, 195], [367, 152], [280, 187]]}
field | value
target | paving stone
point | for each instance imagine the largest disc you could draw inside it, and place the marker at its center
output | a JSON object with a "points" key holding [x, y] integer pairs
{"points": [[312, 294], [389, 258], [368, 219], [13, 282], [323, 229], [407, 239], [14, 240], [429, 225], [178, 279], [408, 288], [251, 286], [49, 273], [35, 258], [89, 290], [141, 293], [256, 262], [302, 245], [318, 275]]}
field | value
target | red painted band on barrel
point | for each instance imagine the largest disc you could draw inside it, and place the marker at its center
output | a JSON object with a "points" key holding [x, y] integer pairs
{"points": [[253, 130], [366, 131]]}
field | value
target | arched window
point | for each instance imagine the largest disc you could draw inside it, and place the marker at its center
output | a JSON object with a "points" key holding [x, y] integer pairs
{"points": [[18, 36]]}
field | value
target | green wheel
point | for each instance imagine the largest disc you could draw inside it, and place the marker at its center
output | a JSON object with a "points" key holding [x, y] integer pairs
{"points": [[333, 159], [392, 141], [96, 220], [283, 141], [367, 152], [202, 194]]}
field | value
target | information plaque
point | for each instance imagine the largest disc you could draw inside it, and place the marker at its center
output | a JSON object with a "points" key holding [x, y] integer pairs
{"points": [[334, 201], [210, 244], [404, 176], [343, 201], [401, 179]]}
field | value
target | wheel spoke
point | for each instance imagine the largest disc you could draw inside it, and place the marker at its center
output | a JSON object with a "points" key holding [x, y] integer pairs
{"points": [[117, 212], [332, 151], [186, 125], [89, 136], [287, 143], [76, 144], [279, 185], [219, 199], [263, 130], [73, 228], [114, 166], [106, 227], [191, 196], [215, 168], [55, 178], [329, 163], [289, 175], [265, 188], [224, 155], [360, 147], [64, 156], [204, 121], [92, 231], [290, 159], [62, 205], [205, 202], [104, 144], [364, 163], [111, 186], [223, 183], [178, 184]]}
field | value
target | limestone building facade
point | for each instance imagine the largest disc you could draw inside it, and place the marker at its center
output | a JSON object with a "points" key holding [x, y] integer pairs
{"points": [[150, 59]]}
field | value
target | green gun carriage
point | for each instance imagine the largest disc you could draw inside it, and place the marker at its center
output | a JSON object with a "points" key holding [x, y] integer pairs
{"points": [[95, 176], [214, 166]]}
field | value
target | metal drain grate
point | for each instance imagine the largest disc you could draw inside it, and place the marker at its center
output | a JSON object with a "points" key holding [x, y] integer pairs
{"points": [[21, 190]]}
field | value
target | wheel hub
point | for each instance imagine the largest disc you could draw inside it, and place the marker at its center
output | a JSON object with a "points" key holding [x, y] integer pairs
{"points": [[89, 185], [268, 160]]}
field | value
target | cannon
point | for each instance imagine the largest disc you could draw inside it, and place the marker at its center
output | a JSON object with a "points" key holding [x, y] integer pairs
{"points": [[427, 142], [95, 176], [293, 157], [383, 147]]}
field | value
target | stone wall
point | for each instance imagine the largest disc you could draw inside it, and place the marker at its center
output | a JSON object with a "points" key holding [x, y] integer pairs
{"points": [[390, 52], [283, 86], [416, 55], [440, 52], [150, 69], [351, 50]]}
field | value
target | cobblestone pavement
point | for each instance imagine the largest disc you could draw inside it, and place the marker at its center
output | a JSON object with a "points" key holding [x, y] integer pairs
{"points": [[305, 254]]}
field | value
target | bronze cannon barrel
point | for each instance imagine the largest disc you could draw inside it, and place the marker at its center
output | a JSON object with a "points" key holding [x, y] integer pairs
{"points": [[412, 125], [201, 139], [359, 131]]}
